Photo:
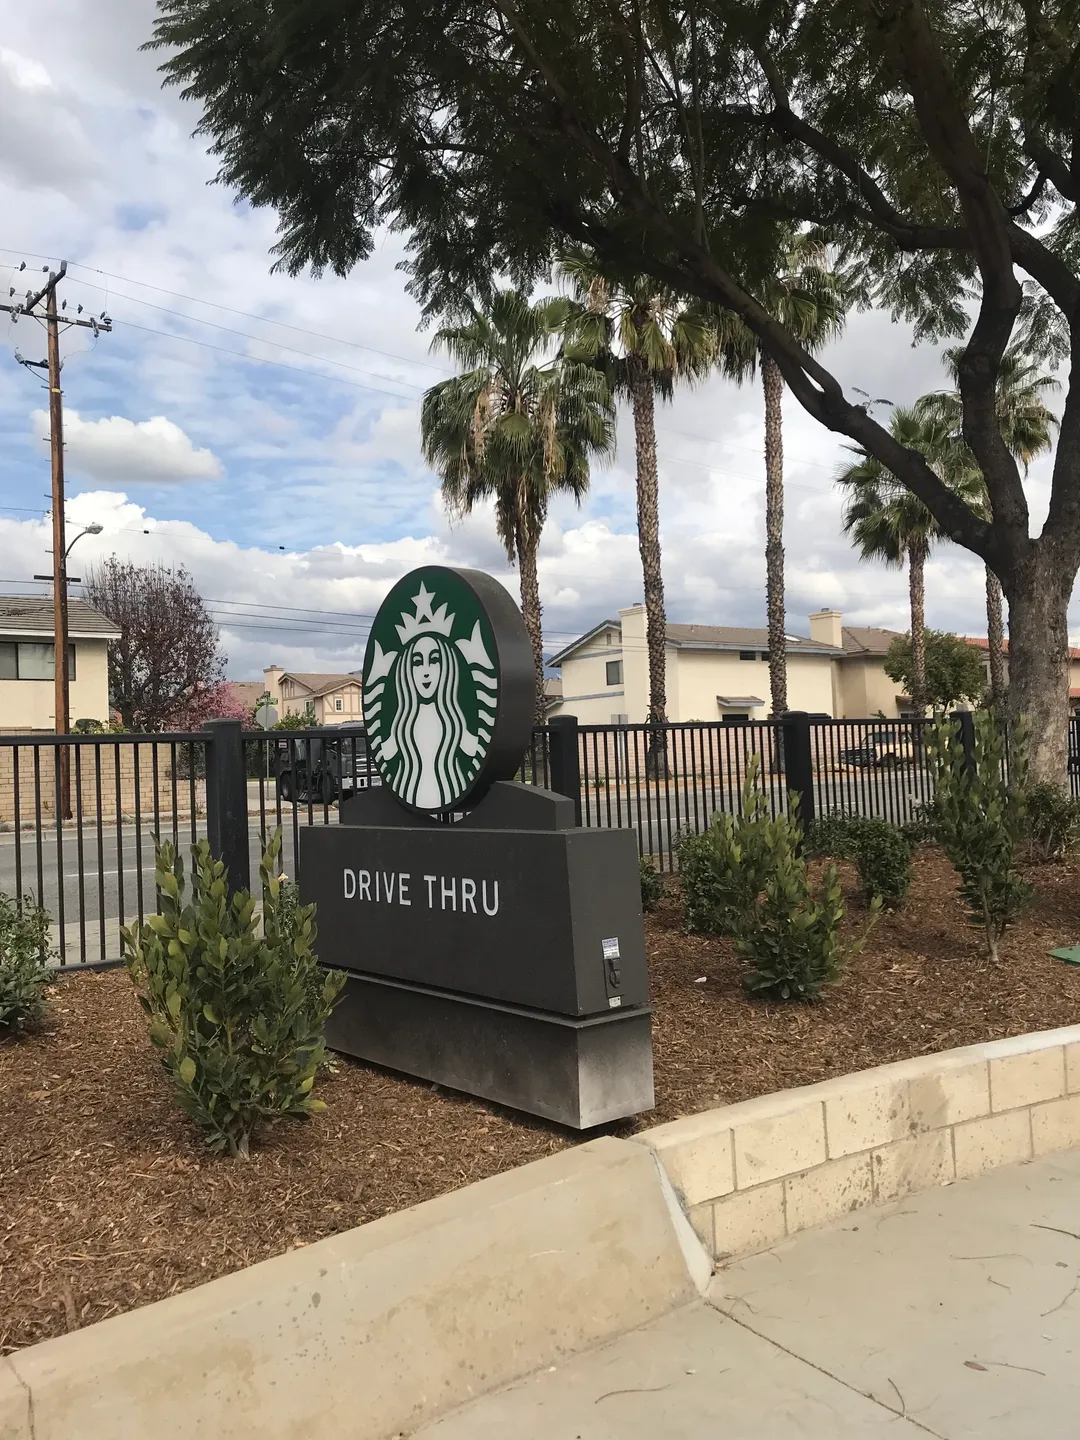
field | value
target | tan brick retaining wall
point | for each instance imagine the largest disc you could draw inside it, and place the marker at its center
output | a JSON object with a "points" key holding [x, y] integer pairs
{"points": [[751, 1174]]}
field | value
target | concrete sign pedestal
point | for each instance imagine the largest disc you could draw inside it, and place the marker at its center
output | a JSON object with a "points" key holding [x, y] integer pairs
{"points": [[494, 956]]}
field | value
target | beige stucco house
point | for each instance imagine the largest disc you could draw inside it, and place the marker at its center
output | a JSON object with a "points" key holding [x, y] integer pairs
{"points": [[334, 698], [721, 671], [27, 676]]}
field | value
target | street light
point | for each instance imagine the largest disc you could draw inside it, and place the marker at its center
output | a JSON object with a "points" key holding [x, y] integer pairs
{"points": [[94, 529]]}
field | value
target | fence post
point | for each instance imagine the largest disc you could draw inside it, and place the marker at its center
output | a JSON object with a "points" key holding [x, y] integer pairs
{"points": [[564, 759], [798, 762], [965, 723], [226, 800]]}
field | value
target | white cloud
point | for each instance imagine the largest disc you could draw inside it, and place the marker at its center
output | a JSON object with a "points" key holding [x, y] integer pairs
{"points": [[133, 452]]}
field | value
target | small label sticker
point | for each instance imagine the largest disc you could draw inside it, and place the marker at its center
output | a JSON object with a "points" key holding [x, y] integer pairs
{"points": [[611, 948], [614, 1002]]}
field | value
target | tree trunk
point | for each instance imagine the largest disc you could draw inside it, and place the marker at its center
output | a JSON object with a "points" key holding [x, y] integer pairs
{"points": [[648, 520], [995, 636], [773, 385], [643, 397], [531, 613], [1038, 592], [917, 594]]}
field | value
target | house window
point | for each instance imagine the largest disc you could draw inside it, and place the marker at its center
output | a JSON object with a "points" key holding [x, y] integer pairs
{"points": [[30, 660], [339, 704], [747, 654], [607, 637], [765, 656], [614, 672]]}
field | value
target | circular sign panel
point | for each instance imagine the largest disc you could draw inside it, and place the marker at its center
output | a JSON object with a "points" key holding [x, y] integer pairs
{"points": [[448, 688]]}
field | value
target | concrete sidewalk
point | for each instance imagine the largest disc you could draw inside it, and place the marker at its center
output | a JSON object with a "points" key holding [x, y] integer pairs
{"points": [[954, 1313]]}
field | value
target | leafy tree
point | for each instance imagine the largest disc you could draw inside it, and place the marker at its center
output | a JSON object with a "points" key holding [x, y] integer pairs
{"points": [[167, 660], [809, 297], [297, 719], [952, 669], [645, 338], [932, 146], [887, 522], [516, 427], [1026, 424], [219, 702]]}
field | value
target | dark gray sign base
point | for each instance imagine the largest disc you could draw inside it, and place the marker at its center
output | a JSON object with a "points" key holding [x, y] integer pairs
{"points": [[577, 1072]]}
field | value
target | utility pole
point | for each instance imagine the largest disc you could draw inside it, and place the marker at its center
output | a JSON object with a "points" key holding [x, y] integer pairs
{"points": [[52, 321]]}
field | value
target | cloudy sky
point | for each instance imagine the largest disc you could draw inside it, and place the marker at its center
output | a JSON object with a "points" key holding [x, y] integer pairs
{"points": [[263, 431]]}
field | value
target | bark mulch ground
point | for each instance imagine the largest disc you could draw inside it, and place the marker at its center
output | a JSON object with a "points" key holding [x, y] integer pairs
{"points": [[108, 1201]]}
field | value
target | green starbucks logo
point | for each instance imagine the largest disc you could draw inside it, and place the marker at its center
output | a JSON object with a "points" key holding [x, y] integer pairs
{"points": [[431, 688]]}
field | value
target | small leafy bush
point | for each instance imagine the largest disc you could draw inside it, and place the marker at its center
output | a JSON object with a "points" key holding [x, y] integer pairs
{"points": [[1053, 821], [747, 878], [981, 820], [793, 949], [723, 871], [880, 852], [922, 828], [24, 971], [652, 884], [237, 1010]]}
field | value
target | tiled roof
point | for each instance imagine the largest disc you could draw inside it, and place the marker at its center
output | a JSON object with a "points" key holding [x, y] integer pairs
{"points": [[735, 637], [982, 643], [867, 639], [33, 615]]}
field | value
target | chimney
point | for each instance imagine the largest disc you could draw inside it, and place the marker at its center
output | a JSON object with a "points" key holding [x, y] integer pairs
{"points": [[827, 628], [272, 680]]}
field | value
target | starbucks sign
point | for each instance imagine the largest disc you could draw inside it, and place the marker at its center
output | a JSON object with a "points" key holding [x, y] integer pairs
{"points": [[448, 688]]}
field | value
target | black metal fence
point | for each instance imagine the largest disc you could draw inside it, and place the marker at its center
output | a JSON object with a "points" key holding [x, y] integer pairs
{"points": [[93, 868]]}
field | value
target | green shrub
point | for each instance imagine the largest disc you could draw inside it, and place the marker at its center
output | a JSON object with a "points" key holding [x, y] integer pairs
{"points": [[237, 1010], [793, 947], [881, 853], [831, 835], [981, 820], [723, 871], [652, 884], [747, 878], [922, 828], [24, 972], [1053, 821]]}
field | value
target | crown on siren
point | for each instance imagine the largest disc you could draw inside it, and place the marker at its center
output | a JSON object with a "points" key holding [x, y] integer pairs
{"points": [[424, 620]]}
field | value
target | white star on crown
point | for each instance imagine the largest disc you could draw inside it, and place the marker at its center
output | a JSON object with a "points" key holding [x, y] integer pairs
{"points": [[425, 620]]}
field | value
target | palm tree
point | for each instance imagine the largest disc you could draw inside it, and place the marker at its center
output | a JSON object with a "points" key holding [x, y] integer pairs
{"points": [[1026, 423], [644, 339], [887, 522], [518, 426], [810, 298]]}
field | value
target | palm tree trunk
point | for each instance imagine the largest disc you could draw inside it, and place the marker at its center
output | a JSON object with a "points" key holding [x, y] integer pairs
{"points": [[995, 636], [648, 518], [527, 546], [917, 594], [773, 384]]}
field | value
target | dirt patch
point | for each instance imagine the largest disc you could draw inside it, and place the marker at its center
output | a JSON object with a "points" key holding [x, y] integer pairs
{"points": [[108, 1200]]}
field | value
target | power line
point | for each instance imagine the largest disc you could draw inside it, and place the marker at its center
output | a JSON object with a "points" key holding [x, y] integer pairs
{"points": [[339, 340], [259, 340]]}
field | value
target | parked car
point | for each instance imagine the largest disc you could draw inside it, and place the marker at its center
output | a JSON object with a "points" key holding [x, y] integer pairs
{"points": [[886, 749], [318, 771]]}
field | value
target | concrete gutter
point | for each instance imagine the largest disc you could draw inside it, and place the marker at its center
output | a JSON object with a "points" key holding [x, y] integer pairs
{"points": [[374, 1331]]}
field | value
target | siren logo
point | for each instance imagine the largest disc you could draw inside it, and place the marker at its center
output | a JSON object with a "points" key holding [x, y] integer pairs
{"points": [[431, 689]]}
